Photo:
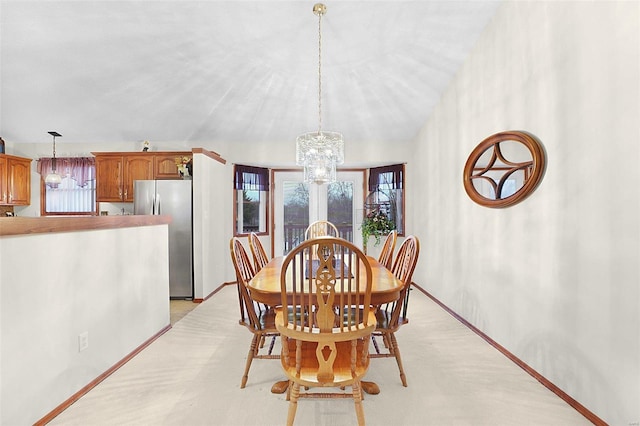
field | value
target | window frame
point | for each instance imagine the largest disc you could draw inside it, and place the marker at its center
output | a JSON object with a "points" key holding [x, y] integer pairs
{"points": [[261, 183], [399, 184]]}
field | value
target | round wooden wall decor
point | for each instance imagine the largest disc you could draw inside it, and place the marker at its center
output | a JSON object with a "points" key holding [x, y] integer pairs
{"points": [[504, 169]]}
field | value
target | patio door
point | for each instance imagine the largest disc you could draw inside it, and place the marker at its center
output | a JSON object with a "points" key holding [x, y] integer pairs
{"points": [[297, 204]]}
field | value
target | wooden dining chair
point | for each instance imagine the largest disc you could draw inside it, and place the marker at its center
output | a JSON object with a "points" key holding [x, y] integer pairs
{"points": [[390, 317], [320, 350], [321, 228], [257, 318], [386, 254], [258, 252]]}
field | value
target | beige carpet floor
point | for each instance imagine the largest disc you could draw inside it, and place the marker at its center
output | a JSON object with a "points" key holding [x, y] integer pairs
{"points": [[191, 376]]}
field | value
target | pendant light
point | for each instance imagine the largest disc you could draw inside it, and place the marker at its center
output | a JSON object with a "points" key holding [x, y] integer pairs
{"points": [[53, 179], [319, 152]]}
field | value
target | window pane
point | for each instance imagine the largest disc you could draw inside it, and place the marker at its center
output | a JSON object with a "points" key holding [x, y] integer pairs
{"points": [[252, 211], [296, 213], [399, 213], [340, 208], [71, 198]]}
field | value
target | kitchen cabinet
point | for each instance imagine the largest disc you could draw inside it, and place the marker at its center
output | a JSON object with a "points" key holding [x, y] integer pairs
{"points": [[165, 164], [15, 180], [116, 172], [109, 178]]}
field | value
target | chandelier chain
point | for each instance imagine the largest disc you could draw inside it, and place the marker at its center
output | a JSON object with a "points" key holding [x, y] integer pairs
{"points": [[319, 73]]}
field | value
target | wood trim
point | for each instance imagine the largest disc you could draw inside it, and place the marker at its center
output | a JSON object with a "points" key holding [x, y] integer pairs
{"points": [[136, 153], [539, 377], [76, 396], [4, 155], [43, 225], [211, 154], [220, 287]]}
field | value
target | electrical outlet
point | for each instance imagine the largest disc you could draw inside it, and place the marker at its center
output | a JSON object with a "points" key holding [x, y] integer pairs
{"points": [[83, 341]]}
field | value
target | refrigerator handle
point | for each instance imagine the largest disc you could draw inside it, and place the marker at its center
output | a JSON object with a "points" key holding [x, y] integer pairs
{"points": [[148, 205], [156, 204]]}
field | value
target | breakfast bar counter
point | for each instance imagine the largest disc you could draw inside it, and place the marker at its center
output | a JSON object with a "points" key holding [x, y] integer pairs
{"points": [[78, 295], [47, 224]]}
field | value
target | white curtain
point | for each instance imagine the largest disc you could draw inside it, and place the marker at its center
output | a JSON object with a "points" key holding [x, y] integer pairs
{"points": [[77, 192]]}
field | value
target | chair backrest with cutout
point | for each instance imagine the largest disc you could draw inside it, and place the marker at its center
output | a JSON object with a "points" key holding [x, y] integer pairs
{"points": [[326, 283]]}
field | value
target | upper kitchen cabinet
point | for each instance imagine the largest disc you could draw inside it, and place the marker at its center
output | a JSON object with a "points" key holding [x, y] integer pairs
{"points": [[109, 178], [165, 164], [135, 168], [116, 172], [15, 180]]}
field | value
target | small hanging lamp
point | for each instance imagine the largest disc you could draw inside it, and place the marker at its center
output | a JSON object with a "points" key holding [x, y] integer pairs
{"points": [[53, 179]]}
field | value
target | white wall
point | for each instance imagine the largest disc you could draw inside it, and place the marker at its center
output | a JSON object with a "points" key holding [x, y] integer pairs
{"points": [[555, 278], [112, 284], [212, 224]]}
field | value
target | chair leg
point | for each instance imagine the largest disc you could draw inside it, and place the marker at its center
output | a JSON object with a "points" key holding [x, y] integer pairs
{"points": [[357, 399], [252, 351], [375, 344], [396, 351], [273, 342], [293, 403], [385, 339]]}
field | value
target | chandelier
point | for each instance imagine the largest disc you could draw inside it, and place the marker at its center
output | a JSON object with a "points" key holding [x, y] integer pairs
{"points": [[53, 179], [319, 152]]}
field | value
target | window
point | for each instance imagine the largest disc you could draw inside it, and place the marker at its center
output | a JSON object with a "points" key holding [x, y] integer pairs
{"points": [[251, 189], [386, 193], [77, 192]]}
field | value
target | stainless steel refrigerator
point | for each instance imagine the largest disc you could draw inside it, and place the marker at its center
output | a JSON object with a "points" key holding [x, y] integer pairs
{"points": [[171, 197]]}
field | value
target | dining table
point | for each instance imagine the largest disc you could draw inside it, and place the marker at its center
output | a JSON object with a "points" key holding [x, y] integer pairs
{"points": [[265, 288]]}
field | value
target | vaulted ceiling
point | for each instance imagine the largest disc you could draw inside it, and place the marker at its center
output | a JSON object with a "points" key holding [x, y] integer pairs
{"points": [[233, 71]]}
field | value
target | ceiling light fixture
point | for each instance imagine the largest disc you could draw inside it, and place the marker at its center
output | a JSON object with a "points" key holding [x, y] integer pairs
{"points": [[319, 152], [53, 179]]}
